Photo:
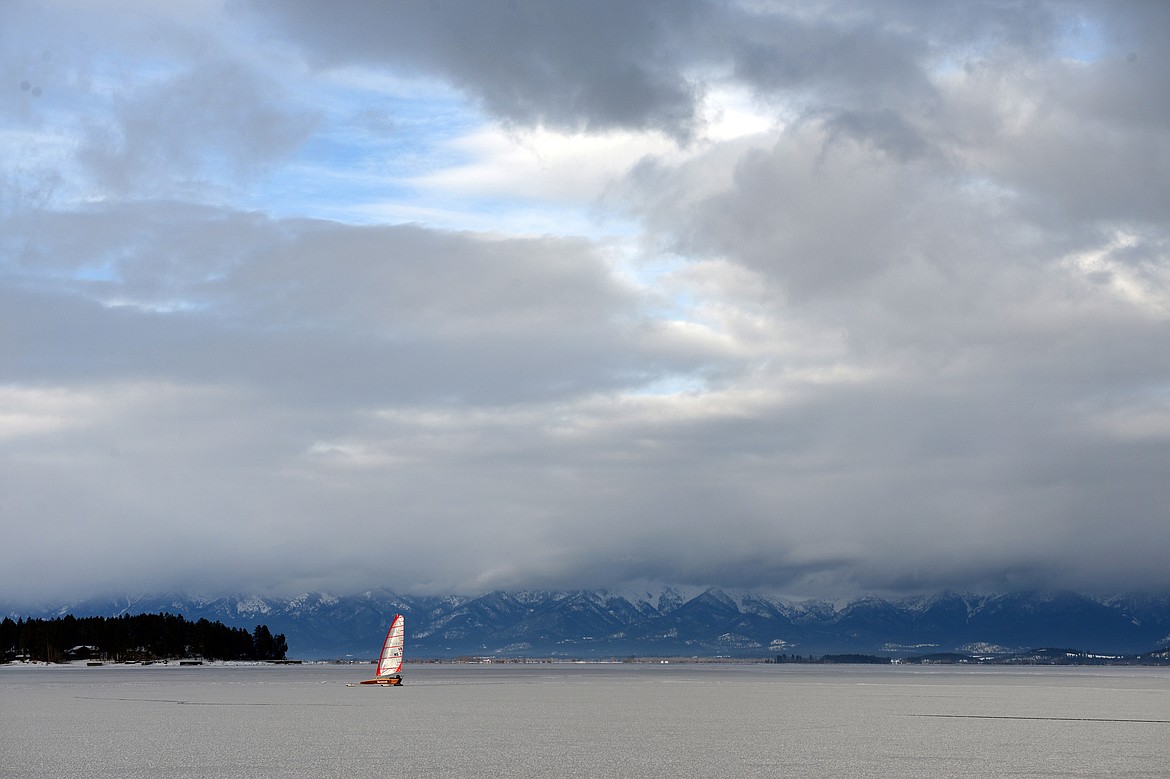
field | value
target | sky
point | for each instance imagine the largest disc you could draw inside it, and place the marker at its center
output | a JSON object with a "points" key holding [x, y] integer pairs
{"points": [[810, 298]]}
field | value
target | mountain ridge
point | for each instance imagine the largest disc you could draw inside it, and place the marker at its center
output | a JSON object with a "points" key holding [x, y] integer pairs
{"points": [[714, 622]]}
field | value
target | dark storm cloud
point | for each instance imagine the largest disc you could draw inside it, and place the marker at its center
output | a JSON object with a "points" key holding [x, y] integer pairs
{"points": [[570, 65]]}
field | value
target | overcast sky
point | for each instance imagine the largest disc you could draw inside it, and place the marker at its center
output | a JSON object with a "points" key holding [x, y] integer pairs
{"points": [[816, 298]]}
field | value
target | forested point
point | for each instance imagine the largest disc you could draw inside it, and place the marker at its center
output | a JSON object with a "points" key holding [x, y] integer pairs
{"points": [[141, 638]]}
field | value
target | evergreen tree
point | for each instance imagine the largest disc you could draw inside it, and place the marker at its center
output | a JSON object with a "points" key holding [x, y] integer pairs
{"points": [[281, 647], [263, 645]]}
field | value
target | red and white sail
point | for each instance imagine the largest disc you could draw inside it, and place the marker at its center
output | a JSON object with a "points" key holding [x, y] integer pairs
{"points": [[390, 661]]}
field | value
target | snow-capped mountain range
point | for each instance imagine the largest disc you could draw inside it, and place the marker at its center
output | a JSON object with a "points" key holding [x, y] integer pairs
{"points": [[712, 622]]}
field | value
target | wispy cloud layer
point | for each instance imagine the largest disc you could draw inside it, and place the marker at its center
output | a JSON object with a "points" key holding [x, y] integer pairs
{"points": [[449, 296]]}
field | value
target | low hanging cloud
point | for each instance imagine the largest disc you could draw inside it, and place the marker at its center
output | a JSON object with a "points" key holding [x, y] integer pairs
{"points": [[906, 334]]}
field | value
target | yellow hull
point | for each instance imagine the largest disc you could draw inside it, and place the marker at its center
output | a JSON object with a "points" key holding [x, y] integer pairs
{"points": [[385, 681]]}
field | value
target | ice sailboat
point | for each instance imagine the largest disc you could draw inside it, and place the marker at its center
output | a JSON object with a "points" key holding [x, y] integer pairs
{"points": [[390, 660]]}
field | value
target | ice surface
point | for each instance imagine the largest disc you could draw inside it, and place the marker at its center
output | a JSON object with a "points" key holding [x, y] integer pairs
{"points": [[570, 720]]}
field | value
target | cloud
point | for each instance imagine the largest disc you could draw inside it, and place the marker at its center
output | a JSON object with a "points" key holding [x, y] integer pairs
{"points": [[811, 299], [189, 126], [569, 66], [389, 312]]}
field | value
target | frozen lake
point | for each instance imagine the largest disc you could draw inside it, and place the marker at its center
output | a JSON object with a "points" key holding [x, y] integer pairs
{"points": [[585, 721]]}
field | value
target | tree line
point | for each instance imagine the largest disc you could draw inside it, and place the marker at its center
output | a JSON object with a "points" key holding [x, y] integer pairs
{"points": [[135, 638]]}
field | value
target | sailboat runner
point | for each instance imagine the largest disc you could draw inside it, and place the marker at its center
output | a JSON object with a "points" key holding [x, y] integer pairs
{"points": [[390, 660]]}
